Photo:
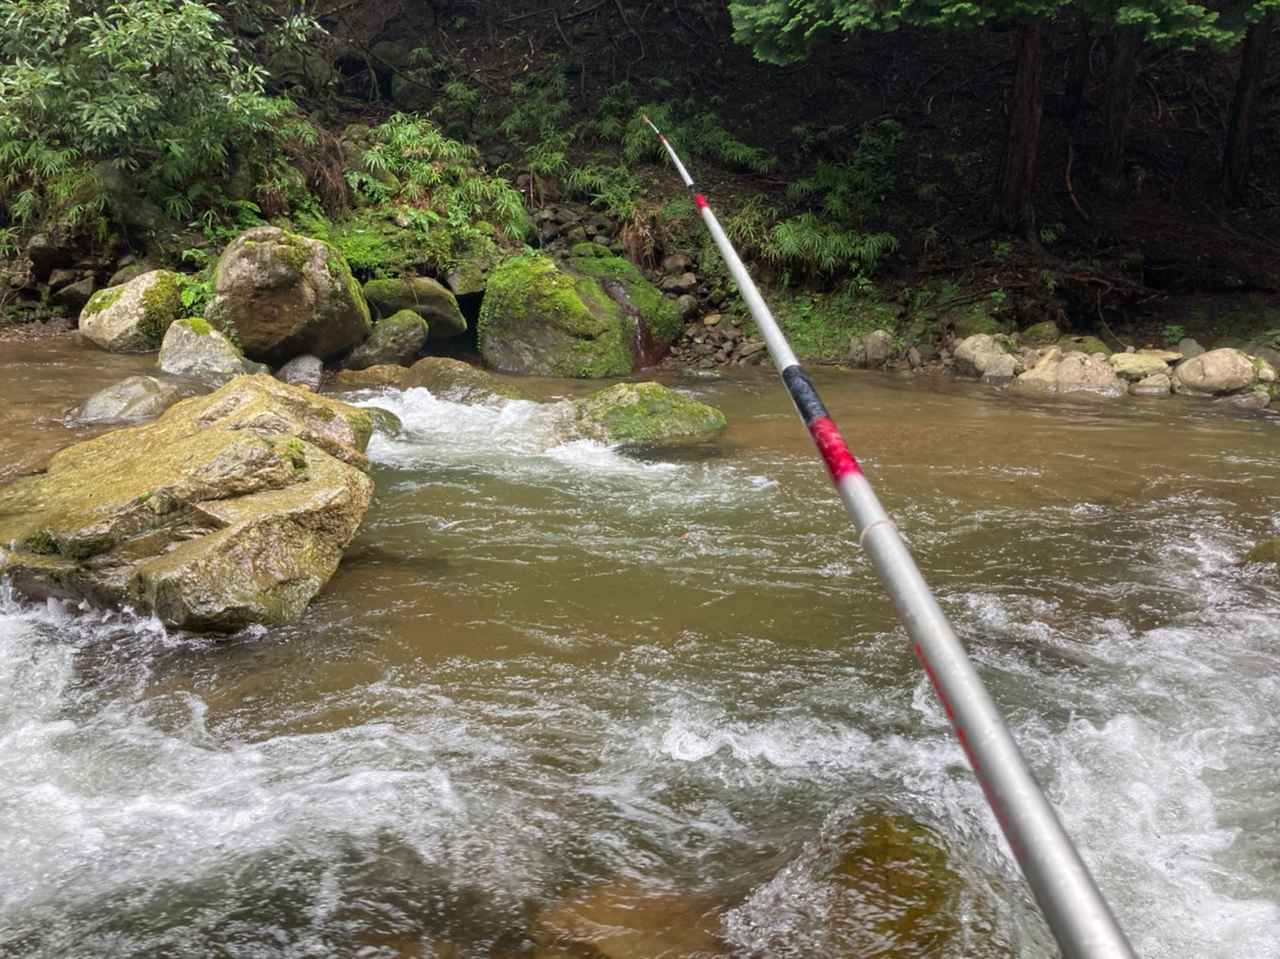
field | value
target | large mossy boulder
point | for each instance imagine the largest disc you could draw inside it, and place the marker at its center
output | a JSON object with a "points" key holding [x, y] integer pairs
{"points": [[133, 318], [397, 340], [194, 348], [279, 295], [1214, 373], [420, 295], [230, 509], [455, 380], [596, 317], [646, 414]]}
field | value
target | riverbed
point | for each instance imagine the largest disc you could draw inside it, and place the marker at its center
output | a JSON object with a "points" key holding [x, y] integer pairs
{"points": [[552, 672]]}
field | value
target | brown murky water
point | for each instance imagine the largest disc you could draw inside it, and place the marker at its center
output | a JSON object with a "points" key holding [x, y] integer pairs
{"points": [[558, 699]]}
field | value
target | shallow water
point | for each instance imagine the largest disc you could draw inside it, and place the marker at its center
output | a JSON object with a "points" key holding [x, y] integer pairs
{"points": [[547, 668]]}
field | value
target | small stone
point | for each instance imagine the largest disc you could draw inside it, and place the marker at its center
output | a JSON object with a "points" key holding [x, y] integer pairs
{"points": [[684, 283], [130, 400], [74, 296], [677, 263], [686, 304], [194, 348], [305, 371]]}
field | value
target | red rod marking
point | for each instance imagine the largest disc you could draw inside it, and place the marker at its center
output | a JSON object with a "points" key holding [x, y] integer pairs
{"points": [[700, 201], [833, 449]]}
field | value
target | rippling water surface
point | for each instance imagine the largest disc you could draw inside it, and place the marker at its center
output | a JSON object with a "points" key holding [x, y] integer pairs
{"points": [[548, 671]]}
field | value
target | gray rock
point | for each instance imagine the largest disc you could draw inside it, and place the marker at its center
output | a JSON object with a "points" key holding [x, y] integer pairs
{"points": [[305, 371], [133, 318], [1000, 370], [1219, 371], [74, 296], [684, 283], [677, 263], [1138, 366], [46, 254], [136, 398], [1189, 348], [871, 351], [458, 381], [129, 272], [687, 305], [1256, 399], [975, 353], [194, 348], [1074, 372], [283, 295], [1158, 384], [397, 340]]}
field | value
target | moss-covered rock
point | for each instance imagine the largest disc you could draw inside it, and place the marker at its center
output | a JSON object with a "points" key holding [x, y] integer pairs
{"points": [[1138, 366], [133, 318], [627, 286], [422, 296], [397, 340], [470, 271], [458, 381], [1084, 344], [538, 319], [1041, 334], [646, 414], [279, 295], [230, 509], [975, 322]]}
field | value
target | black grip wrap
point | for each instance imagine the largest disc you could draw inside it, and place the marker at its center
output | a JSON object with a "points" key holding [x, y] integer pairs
{"points": [[803, 394]]}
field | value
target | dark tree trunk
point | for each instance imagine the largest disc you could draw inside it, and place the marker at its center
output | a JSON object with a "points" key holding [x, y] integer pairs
{"points": [[1078, 71], [1253, 67], [1014, 210], [1122, 70]]}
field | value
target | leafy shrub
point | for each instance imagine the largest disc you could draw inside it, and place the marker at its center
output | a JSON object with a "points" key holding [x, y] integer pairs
{"points": [[412, 163], [539, 120], [155, 87], [614, 189]]}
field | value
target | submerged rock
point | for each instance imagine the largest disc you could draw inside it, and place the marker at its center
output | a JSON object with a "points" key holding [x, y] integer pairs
{"points": [[417, 294], [130, 400], [458, 381], [1219, 371], [133, 318], [395, 341], [231, 509], [627, 922], [1158, 384], [279, 295], [1267, 551], [194, 348], [597, 317], [646, 414]]}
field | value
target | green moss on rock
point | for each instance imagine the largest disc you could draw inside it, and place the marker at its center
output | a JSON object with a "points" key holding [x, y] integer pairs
{"points": [[1084, 344], [659, 314], [644, 414], [103, 300]]}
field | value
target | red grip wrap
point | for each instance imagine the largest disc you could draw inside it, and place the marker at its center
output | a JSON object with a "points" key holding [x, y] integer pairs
{"points": [[833, 449], [700, 201]]}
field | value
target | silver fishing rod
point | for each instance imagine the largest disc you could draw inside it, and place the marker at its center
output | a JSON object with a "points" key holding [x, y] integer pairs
{"points": [[1074, 908]]}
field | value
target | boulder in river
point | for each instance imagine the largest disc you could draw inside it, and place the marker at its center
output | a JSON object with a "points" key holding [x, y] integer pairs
{"points": [[230, 509], [977, 354], [1224, 370], [1056, 373], [1138, 366], [194, 348], [420, 295], [397, 340], [279, 295], [305, 371], [133, 318], [646, 414], [871, 351], [458, 381], [130, 400], [596, 317]]}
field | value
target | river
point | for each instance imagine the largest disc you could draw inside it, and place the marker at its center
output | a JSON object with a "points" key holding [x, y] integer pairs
{"points": [[669, 689]]}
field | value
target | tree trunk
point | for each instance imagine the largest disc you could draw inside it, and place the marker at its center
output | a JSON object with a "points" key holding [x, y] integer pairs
{"points": [[1014, 210], [1078, 71], [1123, 68], [1253, 67]]}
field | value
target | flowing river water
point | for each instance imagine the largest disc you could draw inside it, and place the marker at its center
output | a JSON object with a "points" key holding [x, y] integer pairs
{"points": [[667, 691]]}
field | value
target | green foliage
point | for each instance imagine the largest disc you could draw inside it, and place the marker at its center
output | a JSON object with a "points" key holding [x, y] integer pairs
{"points": [[1173, 333], [694, 130], [819, 327], [615, 189], [157, 88], [539, 120], [825, 247], [412, 163]]}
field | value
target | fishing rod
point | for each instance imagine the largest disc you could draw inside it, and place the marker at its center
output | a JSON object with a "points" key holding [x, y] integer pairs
{"points": [[1073, 906]]}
